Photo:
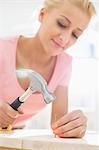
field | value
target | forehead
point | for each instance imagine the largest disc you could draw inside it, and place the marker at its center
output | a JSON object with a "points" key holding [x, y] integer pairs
{"points": [[76, 16]]}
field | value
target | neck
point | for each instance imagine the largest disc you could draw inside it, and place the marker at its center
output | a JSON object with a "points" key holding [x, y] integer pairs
{"points": [[38, 53], [32, 52]]}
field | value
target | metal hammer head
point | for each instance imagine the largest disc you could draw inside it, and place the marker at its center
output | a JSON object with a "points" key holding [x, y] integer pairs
{"points": [[37, 83]]}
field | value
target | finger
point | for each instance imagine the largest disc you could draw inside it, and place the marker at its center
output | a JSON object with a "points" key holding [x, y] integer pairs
{"points": [[71, 125], [11, 112], [77, 132], [20, 111], [67, 118], [3, 123], [5, 119]]}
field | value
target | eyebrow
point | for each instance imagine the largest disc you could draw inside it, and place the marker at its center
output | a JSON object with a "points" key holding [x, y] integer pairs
{"points": [[70, 22], [81, 30], [66, 18]]}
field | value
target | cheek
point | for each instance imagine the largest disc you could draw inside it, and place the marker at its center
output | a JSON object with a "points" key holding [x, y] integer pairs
{"points": [[51, 29], [71, 43], [43, 34]]}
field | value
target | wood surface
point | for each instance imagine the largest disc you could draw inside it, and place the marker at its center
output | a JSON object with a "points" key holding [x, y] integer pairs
{"points": [[45, 140]]}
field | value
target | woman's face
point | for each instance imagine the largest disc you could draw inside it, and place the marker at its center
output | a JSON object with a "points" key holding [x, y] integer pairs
{"points": [[61, 27]]}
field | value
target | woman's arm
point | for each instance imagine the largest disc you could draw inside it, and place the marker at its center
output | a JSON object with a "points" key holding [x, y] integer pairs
{"points": [[60, 105], [66, 124]]}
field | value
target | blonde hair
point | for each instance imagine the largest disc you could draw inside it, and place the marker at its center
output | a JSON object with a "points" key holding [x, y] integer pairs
{"points": [[86, 5]]}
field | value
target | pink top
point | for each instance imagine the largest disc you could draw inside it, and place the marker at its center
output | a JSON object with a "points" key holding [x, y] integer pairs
{"points": [[10, 88]]}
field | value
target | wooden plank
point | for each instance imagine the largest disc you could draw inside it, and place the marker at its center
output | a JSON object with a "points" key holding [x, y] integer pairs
{"points": [[45, 140], [2, 148]]}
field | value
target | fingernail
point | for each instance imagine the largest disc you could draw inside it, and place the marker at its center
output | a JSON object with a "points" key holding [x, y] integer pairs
{"points": [[54, 126], [57, 132]]}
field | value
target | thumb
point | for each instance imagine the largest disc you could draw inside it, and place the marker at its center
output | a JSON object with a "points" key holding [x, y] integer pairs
{"points": [[20, 111]]}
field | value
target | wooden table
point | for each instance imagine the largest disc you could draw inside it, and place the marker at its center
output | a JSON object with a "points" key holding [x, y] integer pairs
{"points": [[45, 140]]}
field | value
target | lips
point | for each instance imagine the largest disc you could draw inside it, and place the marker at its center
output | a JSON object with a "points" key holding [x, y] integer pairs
{"points": [[57, 44]]}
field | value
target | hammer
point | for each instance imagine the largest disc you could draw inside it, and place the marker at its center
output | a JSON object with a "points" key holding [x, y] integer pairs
{"points": [[36, 84]]}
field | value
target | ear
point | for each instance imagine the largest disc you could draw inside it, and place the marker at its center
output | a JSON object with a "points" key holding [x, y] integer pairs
{"points": [[42, 14]]}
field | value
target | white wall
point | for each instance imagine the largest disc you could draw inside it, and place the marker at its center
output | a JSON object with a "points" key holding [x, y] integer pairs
{"points": [[14, 13]]}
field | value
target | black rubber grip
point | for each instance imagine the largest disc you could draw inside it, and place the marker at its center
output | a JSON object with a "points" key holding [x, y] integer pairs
{"points": [[16, 104]]}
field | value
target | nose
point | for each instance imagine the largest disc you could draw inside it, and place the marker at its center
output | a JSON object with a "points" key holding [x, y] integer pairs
{"points": [[65, 38]]}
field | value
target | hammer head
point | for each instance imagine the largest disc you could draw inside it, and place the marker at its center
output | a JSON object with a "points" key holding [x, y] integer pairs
{"points": [[37, 83]]}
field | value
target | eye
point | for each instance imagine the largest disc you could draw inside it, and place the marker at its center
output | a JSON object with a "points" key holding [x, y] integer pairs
{"points": [[74, 35], [60, 24]]}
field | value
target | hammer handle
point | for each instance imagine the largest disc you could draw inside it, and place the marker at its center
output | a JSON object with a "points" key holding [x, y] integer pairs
{"points": [[16, 104]]}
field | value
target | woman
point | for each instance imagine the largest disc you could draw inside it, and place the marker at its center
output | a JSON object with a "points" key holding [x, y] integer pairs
{"points": [[62, 22]]}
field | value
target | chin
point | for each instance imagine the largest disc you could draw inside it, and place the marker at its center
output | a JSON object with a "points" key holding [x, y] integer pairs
{"points": [[57, 53], [53, 52]]}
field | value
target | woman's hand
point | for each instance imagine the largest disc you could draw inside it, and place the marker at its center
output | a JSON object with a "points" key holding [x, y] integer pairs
{"points": [[73, 124], [7, 114]]}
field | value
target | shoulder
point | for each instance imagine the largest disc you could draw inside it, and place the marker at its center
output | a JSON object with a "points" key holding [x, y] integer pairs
{"points": [[62, 70], [65, 57], [7, 45], [7, 49], [64, 60], [7, 42]]}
